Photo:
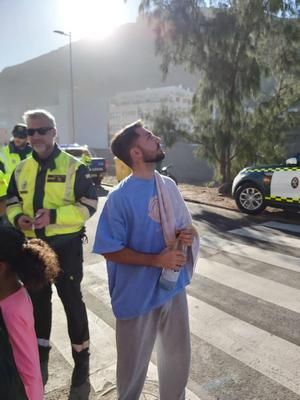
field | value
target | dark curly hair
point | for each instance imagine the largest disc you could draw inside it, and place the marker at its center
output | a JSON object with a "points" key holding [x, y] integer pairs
{"points": [[33, 261]]}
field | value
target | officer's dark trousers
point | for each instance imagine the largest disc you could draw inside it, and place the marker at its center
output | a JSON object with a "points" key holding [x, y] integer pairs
{"points": [[70, 256]]}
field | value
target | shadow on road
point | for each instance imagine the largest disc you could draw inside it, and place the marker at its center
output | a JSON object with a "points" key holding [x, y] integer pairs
{"points": [[219, 222]]}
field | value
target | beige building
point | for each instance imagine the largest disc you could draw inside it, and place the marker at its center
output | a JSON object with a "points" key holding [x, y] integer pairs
{"points": [[127, 107]]}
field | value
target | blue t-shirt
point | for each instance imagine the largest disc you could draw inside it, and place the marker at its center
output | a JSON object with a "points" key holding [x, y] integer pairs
{"points": [[130, 218]]}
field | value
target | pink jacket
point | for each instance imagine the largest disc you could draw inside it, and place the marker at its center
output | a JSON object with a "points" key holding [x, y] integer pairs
{"points": [[17, 313]]}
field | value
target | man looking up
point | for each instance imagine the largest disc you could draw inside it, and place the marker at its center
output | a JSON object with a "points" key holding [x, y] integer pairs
{"points": [[50, 196], [18, 149], [142, 233]]}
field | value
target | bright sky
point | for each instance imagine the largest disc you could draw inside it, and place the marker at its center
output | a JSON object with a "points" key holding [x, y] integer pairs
{"points": [[26, 27]]}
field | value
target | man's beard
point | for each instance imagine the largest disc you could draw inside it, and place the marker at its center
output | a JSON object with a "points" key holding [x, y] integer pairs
{"points": [[154, 158], [42, 148]]}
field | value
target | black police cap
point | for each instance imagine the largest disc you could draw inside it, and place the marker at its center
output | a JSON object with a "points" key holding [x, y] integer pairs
{"points": [[20, 130]]}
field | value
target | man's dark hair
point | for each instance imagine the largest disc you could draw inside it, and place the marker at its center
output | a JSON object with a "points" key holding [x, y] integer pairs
{"points": [[124, 140]]}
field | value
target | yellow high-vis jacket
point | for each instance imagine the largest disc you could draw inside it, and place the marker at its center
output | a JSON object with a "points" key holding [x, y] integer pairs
{"points": [[3, 185], [10, 157], [61, 184]]}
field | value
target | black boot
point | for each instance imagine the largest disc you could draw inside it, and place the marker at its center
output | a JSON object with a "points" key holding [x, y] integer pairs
{"points": [[44, 361], [81, 368]]}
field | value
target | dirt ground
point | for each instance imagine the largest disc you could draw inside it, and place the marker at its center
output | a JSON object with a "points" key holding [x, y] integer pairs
{"points": [[206, 195], [202, 194]]}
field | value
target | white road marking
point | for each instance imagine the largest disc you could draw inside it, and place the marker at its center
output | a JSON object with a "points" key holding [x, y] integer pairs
{"points": [[265, 289], [252, 252], [268, 235], [271, 356]]}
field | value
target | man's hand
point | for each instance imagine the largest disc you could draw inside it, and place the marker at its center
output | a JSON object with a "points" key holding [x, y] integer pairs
{"points": [[186, 236], [173, 259], [24, 222], [41, 219]]}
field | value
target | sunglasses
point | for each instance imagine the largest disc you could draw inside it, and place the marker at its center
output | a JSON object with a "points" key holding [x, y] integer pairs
{"points": [[20, 135], [40, 131]]}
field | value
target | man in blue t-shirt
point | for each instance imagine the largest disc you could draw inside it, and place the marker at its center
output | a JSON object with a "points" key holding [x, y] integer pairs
{"points": [[131, 238]]}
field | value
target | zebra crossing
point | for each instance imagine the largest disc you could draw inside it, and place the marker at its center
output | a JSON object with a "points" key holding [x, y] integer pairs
{"points": [[244, 314]]}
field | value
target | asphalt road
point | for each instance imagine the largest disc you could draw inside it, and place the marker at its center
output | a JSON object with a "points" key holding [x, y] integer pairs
{"points": [[244, 313]]}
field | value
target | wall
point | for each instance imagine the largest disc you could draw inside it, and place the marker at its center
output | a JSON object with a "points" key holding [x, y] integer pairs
{"points": [[186, 167]]}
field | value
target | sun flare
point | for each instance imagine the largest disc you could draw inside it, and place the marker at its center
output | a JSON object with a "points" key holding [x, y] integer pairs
{"points": [[93, 18]]}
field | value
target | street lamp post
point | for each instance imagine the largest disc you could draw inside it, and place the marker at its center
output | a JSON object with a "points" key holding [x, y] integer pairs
{"points": [[69, 35]]}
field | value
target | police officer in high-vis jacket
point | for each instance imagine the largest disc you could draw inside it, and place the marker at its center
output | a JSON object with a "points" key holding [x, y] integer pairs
{"points": [[17, 150], [50, 196]]}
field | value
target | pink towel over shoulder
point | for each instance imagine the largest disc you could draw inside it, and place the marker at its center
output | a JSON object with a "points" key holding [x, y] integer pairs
{"points": [[175, 215]]}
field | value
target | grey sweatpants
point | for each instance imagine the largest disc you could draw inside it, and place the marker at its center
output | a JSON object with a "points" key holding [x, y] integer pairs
{"points": [[168, 328]]}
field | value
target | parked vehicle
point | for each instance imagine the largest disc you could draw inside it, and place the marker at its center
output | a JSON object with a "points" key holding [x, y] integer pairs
{"points": [[96, 165], [256, 187], [165, 171]]}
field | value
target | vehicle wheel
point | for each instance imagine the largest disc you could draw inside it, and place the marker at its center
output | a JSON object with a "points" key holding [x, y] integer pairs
{"points": [[250, 199], [173, 178]]}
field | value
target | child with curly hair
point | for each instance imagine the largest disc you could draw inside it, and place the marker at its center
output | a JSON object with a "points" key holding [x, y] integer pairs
{"points": [[23, 264]]}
